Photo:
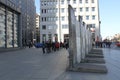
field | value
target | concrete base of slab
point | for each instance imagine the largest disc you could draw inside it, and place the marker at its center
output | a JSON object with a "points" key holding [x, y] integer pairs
{"points": [[89, 68], [97, 50], [94, 56], [93, 60], [99, 53], [91, 63]]}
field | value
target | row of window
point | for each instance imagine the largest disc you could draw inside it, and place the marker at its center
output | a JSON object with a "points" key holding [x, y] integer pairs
{"points": [[51, 10], [44, 19], [46, 3], [64, 26], [50, 37], [55, 10], [49, 19], [88, 17], [75, 1], [91, 25], [44, 27]]}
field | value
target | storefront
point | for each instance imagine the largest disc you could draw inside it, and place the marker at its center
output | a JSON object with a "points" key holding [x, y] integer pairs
{"points": [[8, 27]]}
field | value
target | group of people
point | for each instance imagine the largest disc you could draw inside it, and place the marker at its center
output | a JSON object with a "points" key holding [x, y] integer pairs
{"points": [[49, 46], [104, 44]]}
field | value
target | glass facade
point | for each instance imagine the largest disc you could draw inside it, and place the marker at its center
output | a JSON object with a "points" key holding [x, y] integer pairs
{"points": [[15, 30], [8, 28], [2, 27]]}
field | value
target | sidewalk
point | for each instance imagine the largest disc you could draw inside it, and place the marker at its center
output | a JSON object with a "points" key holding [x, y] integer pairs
{"points": [[31, 64]]}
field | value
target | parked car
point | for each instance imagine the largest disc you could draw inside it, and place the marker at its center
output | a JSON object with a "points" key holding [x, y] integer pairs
{"points": [[38, 45], [118, 44]]}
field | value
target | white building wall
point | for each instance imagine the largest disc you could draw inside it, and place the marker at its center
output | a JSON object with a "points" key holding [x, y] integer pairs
{"points": [[52, 4]]}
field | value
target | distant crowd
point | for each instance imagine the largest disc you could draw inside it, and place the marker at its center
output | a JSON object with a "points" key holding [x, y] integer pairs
{"points": [[104, 44], [49, 46]]}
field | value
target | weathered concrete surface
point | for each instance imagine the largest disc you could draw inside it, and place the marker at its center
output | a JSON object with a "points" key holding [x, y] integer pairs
{"points": [[87, 65], [94, 56], [97, 50], [79, 38], [90, 68], [93, 60]]}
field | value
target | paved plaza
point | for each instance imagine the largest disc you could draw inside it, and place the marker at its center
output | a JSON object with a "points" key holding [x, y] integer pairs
{"points": [[31, 64]]}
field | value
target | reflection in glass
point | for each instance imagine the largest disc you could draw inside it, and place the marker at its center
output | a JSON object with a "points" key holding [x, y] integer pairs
{"points": [[2, 27], [15, 30], [9, 29]]}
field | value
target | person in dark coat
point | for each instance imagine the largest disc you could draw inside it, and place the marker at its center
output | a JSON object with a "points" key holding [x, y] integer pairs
{"points": [[43, 47]]}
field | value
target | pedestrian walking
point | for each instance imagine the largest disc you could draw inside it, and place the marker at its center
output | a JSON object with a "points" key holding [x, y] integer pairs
{"points": [[43, 47]]}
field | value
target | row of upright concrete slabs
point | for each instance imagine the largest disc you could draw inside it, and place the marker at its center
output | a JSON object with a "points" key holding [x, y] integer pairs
{"points": [[80, 46]]}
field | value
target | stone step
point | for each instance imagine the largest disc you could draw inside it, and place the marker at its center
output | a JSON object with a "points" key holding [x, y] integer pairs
{"points": [[93, 60], [89, 68], [94, 56], [96, 52]]}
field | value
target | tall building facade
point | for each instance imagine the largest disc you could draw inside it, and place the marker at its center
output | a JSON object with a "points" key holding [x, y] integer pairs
{"points": [[28, 15], [37, 28], [15, 17], [54, 18]]}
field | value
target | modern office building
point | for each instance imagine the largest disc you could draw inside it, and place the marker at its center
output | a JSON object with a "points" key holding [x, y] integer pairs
{"points": [[54, 17], [37, 28], [28, 13], [17, 17]]}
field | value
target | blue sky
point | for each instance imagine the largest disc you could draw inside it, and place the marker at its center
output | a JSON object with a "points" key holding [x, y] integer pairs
{"points": [[109, 16], [37, 3]]}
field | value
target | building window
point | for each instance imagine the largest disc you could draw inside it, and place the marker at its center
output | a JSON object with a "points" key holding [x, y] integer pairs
{"points": [[44, 27], [45, 10], [75, 9], [81, 9], [50, 37], [92, 1], [74, 1], [81, 17], [63, 18], [93, 17], [44, 37], [42, 3], [42, 18], [68, 1], [62, 10], [55, 10], [64, 26], [87, 9], [45, 19], [50, 27], [62, 2], [93, 25], [80, 1], [87, 17], [86, 1], [93, 8], [42, 11]]}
